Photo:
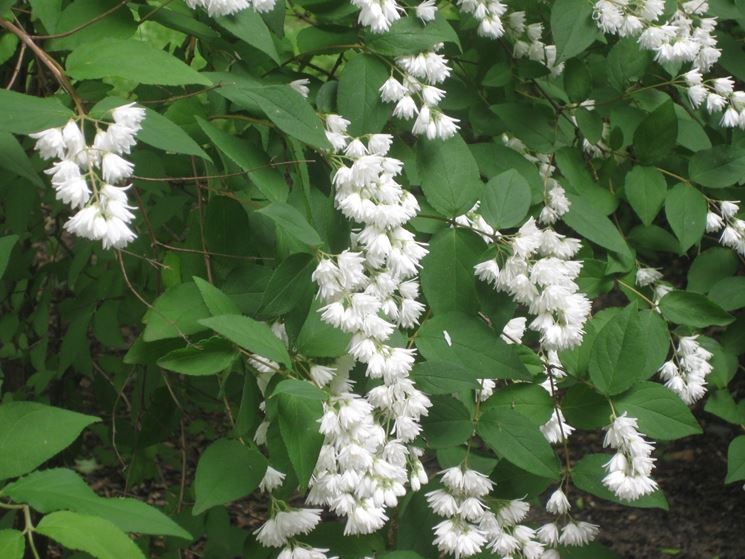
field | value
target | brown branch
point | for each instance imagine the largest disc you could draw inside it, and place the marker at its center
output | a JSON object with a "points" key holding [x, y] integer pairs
{"points": [[17, 69]]}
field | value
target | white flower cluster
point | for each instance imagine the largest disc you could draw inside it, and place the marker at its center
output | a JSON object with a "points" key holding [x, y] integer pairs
{"points": [[216, 8], [564, 530], [489, 15], [470, 525], [556, 429], [628, 472], [556, 203], [540, 275], [420, 75], [86, 177], [378, 15], [722, 216], [368, 291], [528, 42], [474, 221], [687, 37], [685, 374], [284, 525], [600, 149]]}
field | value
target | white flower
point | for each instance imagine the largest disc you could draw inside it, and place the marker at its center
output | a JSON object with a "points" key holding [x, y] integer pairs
{"points": [[578, 533], [458, 538], [392, 91], [405, 108], [647, 276], [271, 480], [558, 503], [426, 11], [50, 143], [129, 115], [301, 86], [628, 472], [114, 168], [70, 185]]}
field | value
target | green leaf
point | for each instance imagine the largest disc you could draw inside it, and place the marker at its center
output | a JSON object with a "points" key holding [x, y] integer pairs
{"points": [[657, 134], [709, 267], [729, 293], [130, 59], [62, 489], [584, 408], [618, 355], [207, 357], [23, 114], [447, 275], [12, 544], [217, 302], [474, 346], [293, 222], [78, 15], [299, 408], [587, 475], [518, 439], [175, 313], [31, 433], [14, 159], [449, 175], [572, 27], [718, 167], [162, 133], [248, 26], [723, 405], [662, 414], [408, 35], [685, 209], [736, 460], [289, 284], [358, 95], [626, 63], [91, 534], [6, 248], [506, 200], [529, 400], [249, 158], [533, 124], [437, 377], [448, 423], [249, 334], [227, 471], [693, 309], [584, 218], [645, 189]]}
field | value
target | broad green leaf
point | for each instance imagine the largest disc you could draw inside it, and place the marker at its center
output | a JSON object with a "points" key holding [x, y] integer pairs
{"points": [[618, 354], [645, 189], [505, 200], [119, 24], [518, 439], [729, 293], [289, 285], [6, 248], [175, 313], [529, 400], [736, 460], [62, 489], [23, 114], [130, 59], [299, 409], [14, 159], [723, 405], [588, 473], [626, 63], [577, 80], [94, 535], [495, 158], [448, 423], [48, 11], [408, 35], [467, 342], [584, 218], [31, 433], [162, 133], [12, 544], [318, 339], [227, 471], [709, 267], [206, 357], [248, 26], [449, 175], [216, 300], [437, 377], [249, 158], [657, 341], [293, 222], [691, 135], [584, 408], [447, 275], [718, 167], [533, 124], [657, 134], [685, 209], [693, 309], [572, 27], [249, 334], [662, 414], [358, 95]]}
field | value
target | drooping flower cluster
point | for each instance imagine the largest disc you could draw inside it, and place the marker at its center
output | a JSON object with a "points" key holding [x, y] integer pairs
{"points": [[528, 42], [540, 275], [87, 177], [556, 203], [564, 530], [217, 8], [685, 374], [599, 149], [489, 15], [722, 217], [420, 75], [628, 472], [556, 429], [368, 291], [687, 37], [378, 15], [285, 524]]}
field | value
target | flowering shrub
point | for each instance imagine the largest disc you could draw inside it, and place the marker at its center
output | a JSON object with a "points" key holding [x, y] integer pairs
{"points": [[369, 268]]}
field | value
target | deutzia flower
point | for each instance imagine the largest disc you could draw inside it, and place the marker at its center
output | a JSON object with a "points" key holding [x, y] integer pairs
{"points": [[426, 11], [628, 471], [301, 86], [286, 524], [685, 374]]}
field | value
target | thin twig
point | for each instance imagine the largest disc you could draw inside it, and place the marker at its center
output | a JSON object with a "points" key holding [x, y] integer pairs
{"points": [[17, 69], [82, 26]]}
